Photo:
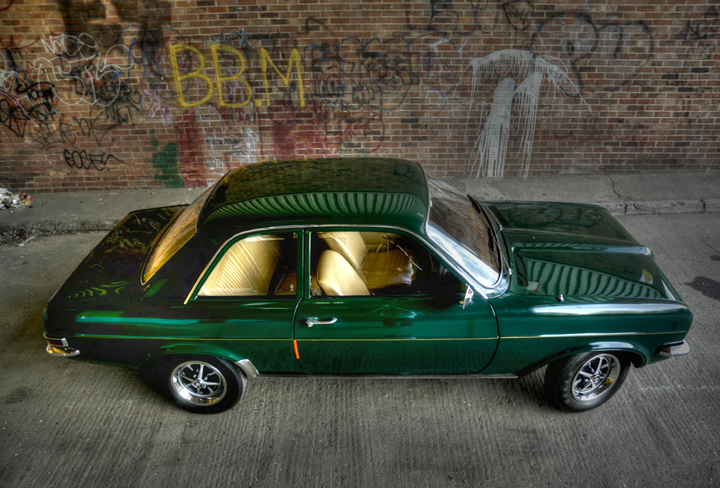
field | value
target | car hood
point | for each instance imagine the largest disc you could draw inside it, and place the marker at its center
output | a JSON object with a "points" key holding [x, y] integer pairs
{"points": [[576, 251], [117, 260]]}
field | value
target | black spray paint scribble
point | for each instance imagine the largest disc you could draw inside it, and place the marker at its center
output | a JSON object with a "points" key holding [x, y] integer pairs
{"points": [[84, 160], [618, 51]]}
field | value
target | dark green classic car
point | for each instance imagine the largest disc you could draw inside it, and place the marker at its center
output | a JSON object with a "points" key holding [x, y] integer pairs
{"points": [[366, 267]]}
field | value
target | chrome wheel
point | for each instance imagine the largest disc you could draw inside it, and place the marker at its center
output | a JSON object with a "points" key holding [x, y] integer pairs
{"points": [[596, 377], [198, 382]]}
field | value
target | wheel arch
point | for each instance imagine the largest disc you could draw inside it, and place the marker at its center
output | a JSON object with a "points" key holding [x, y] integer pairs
{"points": [[635, 354], [189, 349]]}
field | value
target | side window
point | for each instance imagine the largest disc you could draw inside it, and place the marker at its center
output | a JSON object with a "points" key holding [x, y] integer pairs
{"points": [[262, 265], [351, 263]]}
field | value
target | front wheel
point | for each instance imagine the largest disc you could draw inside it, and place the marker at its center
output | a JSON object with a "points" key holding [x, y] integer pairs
{"points": [[201, 384], [584, 381]]}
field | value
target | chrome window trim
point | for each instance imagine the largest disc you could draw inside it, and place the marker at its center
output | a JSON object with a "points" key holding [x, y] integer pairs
{"points": [[299, 228]]}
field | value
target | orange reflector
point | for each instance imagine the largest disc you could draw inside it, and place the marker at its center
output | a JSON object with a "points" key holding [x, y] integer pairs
{"points": [[297, 354]]}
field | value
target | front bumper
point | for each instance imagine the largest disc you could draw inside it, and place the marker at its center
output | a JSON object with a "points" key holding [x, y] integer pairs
{"points": [[59, 347], [679, 349]]}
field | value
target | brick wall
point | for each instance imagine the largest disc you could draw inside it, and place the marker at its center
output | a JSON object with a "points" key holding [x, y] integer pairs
{"points": [[106, 94]]}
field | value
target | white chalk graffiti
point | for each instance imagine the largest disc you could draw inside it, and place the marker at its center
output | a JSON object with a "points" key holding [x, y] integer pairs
{"points": [[94, 77], [488, 155], [218, 135], [248, 151]]}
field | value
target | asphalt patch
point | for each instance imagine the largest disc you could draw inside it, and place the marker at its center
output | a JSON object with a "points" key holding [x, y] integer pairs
{"points": [[706, 286]]}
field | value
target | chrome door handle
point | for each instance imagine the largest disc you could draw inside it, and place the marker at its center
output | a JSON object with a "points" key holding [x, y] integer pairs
{"points": [[310, 321]]}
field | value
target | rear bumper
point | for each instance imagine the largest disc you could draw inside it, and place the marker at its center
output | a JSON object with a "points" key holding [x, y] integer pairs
{"points": [[679, 349], [59, 347]]}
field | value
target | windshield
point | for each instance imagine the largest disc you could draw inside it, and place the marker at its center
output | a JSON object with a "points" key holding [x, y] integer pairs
{"points": [[179, 232], [463, 231]]}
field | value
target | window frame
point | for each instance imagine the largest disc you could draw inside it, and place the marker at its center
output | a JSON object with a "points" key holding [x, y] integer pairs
{"points": [[303, 284], [228, 244], [418, 240]]}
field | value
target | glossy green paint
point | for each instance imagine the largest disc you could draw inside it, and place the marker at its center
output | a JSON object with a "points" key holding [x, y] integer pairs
{"points": [[396, 335], [580, 282], [369, 190]]}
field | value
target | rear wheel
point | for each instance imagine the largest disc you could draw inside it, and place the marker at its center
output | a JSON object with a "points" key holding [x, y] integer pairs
{"points": [[201, 384], [585, 381]]}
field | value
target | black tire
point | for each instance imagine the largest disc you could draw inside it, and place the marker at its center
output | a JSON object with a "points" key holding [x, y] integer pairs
{"points": [[201, 384], [585, 381]]}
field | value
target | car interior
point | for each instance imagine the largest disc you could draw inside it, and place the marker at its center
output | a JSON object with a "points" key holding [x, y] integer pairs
{"points": [[343, 263], [256, 266], [352, 263]]}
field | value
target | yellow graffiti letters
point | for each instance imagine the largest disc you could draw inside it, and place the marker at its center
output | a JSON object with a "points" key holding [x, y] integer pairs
{"points": [[238, 82], [296, 60], [219, 79], [198, 73]]}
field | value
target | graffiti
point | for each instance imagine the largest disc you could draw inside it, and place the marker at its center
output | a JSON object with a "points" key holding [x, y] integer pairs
{"points": [[446, 20], [147, 17], [166, 161], [705, 29], [74, 135], [519, 14], [363, 135], [83, 160], [6, 7], [155, 107], [245, 92], [353, 74], [22, 99], [93, 76], [25, 103], [698, 41], [297, 87], [13, 116], [69, 130], [490, 148], [615, 52]]}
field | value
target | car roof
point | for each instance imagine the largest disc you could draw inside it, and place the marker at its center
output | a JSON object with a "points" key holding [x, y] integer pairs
{"points": [[371, 190]]}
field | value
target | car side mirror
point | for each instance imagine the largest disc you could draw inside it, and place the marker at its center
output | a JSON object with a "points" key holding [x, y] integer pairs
{"points": [[468, 300]]}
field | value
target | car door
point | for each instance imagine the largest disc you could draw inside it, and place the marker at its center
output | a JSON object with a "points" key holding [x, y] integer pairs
{"points": [[392, 308], [246, 300]]}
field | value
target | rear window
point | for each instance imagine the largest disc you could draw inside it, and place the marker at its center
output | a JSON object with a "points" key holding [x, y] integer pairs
{"points": [[180, 231]]}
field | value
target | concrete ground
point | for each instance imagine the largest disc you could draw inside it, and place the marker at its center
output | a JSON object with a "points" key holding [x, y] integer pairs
{"points": [[71, 423]]}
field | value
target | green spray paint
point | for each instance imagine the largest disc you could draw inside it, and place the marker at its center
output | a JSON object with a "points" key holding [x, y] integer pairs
{"points": [[167, 161]]}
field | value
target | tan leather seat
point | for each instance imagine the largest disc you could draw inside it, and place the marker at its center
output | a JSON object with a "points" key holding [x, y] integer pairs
{"points": [[377, 269], [246, 268], [349, 245], [388, 268], [337, 277], [378, 241]]}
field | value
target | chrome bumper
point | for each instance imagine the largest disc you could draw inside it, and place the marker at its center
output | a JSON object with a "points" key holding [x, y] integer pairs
{"points": [[59, 347], [675, 350]]}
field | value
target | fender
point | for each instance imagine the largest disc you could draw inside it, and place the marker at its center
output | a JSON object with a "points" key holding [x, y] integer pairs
{"points": [[638, 355]]}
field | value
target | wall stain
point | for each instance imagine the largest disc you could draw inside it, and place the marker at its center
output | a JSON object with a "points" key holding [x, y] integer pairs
{"points": [[706, 286]]}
